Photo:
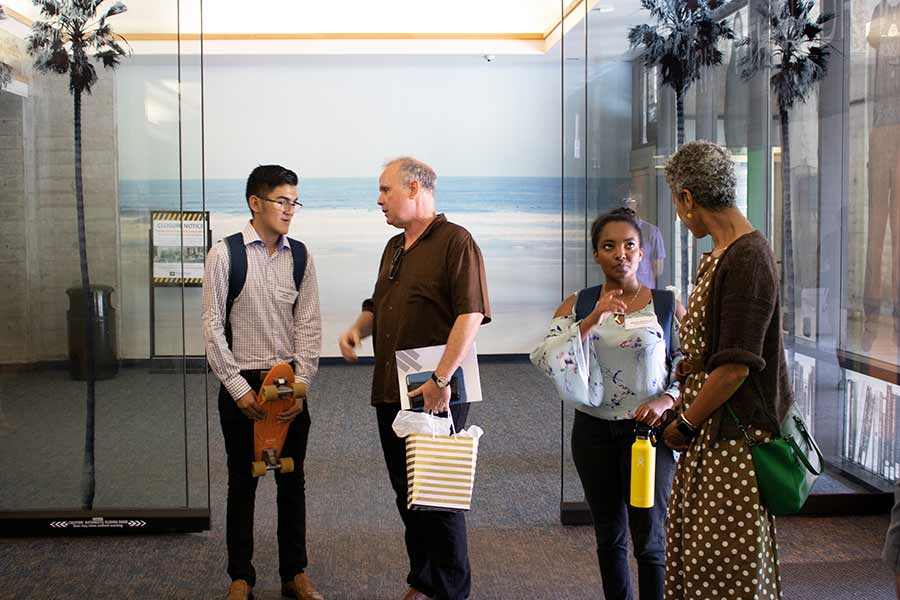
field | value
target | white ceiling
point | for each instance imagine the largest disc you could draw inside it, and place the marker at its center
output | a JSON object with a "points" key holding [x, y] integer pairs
{"points": [[346, 16], [462, 27]]}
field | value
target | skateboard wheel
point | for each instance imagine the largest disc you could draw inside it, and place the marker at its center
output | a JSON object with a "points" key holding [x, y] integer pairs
{"points": [[258, 468], [269, 392], [287, 465], [299, 390]]}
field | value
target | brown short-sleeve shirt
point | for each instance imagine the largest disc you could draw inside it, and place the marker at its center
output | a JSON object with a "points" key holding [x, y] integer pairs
{"points": [[440, 277]]}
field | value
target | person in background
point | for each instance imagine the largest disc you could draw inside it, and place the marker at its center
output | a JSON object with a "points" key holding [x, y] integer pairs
{"points": [[654, 248]]}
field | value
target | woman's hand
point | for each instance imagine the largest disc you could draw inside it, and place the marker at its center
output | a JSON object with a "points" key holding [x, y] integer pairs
{"points": [[651, 412], [674, 439], [608, 304]]}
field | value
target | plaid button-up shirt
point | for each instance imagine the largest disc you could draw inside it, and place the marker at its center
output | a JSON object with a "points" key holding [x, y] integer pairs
{"points": [[266, 329]]}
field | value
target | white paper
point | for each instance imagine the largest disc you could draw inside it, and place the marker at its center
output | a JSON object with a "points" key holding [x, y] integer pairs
{"points": [[422, 360]]}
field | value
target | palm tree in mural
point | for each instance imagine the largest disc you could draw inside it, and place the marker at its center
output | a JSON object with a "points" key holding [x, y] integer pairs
{"points": [[69, 38], [683, 43], [5, 69], [796, 56]]}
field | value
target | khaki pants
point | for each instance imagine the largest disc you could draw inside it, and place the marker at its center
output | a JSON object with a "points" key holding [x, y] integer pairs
{"points": [[884, 209]]}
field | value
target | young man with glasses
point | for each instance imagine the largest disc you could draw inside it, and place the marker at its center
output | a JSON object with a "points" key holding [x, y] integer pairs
{"points": [[431, 290], [261, 307]]}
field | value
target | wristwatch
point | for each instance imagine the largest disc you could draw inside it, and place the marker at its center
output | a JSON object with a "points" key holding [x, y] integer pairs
{"points": [[685, 427], [441, 382]]}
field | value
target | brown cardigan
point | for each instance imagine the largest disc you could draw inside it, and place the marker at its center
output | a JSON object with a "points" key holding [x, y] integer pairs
{"points": [[743, 326]]}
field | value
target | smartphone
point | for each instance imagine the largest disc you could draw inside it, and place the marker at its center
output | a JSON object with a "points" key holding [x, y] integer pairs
{"points": [[457, 388]]}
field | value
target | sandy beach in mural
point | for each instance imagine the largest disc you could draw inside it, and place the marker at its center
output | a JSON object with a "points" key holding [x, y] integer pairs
{"points": [[521, 254]]}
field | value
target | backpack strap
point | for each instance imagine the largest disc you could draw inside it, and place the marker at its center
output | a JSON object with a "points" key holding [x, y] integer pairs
{"points": [[664, 307], [298, 249], [586, 301], [237, 275]]}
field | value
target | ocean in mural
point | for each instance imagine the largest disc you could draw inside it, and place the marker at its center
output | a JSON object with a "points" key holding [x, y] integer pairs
{"points": [[515, 220]]}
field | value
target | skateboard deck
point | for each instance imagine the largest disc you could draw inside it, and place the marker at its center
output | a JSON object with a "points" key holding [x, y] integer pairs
{"points": [[276, 395]]}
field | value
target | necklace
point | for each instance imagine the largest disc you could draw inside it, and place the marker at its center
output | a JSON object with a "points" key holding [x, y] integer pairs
{"points": [[620, 317]]}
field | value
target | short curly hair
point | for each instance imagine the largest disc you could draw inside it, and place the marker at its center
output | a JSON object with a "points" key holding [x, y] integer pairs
{"points": [[707, 171]]}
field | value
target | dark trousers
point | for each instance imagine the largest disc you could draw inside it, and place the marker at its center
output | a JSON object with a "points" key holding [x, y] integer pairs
{"points": [[291, 499], [435, 540], [602, 453]]}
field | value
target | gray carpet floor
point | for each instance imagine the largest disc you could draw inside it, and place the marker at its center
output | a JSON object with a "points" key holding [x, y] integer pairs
{"points": [[517, 547]]}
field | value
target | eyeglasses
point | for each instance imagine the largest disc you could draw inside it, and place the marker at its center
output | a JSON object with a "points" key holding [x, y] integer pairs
{"points": [[395, 263], [284, 204]]}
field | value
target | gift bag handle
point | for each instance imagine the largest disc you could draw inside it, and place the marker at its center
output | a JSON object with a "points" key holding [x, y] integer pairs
{"points": [[452, 426]]}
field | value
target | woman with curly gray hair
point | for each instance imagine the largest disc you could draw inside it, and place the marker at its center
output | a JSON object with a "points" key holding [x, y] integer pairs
{"points": [[720, 538]]}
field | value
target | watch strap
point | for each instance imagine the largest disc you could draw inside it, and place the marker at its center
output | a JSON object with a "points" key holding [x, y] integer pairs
{"points": [[441, 382]]}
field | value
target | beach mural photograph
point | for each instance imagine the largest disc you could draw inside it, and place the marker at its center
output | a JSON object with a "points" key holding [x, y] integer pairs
{"points": [[489, 133], [515, 221]]}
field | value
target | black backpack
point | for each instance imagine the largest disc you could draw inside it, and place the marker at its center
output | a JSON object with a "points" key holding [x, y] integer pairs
{"points": [[237, 274], [663, 306]]}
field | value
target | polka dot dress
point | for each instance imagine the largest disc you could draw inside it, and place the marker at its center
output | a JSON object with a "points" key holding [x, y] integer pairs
{"points": [[720, 541]]}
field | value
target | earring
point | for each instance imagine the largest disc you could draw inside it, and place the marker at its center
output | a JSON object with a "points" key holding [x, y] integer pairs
{"points": [[690, 215]]}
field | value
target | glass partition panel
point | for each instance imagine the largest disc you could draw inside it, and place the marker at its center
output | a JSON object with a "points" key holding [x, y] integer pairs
{"points": [[77, 368], [611, 123], [575, 245], [819, 165], [868, 315]]}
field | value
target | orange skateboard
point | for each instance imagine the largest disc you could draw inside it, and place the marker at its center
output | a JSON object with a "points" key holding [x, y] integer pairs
{"points": [[276, 395]]}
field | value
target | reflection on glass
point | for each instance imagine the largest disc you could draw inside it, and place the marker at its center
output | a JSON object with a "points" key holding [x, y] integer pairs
{"points": [[881, 285], [137, 407], [870, 437]]}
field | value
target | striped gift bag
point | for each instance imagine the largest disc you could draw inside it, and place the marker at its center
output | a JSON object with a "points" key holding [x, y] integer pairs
{"points": [[440, 471]]}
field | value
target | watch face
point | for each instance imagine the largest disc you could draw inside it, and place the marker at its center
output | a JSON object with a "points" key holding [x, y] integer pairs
{"points": [[685, 429], [440, 381]]}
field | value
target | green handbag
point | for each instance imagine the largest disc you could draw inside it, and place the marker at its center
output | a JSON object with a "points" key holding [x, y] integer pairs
{"points": [[784, 464]]}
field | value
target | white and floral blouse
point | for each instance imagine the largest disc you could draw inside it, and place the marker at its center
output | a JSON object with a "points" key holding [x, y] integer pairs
{"points": [[615, 369]]}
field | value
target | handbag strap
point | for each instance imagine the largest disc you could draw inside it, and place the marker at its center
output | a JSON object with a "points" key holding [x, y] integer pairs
{"points": [[811, 442], [798, 452], [750, 441]]}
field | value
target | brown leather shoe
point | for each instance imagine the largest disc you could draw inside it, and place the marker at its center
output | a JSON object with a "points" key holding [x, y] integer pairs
{"points": [[414, 594], [301, 588], [239, 590]]}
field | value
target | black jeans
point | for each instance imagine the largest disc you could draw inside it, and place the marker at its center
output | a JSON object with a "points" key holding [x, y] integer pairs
{"points": [[435, 540], [602, 453], [237, 430]]}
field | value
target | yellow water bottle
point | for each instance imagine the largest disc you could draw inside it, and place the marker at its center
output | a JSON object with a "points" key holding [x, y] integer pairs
{"points": [[643, 470]]}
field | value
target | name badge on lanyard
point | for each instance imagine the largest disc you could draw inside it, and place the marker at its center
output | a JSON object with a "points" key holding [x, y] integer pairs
{"points": [[641, 322]]}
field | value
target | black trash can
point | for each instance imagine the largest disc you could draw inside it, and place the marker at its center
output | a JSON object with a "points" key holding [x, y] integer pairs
{"points": [[105, 363]]}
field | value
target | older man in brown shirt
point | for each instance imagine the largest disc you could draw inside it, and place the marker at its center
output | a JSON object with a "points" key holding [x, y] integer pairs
{"points": [[431, 290]]}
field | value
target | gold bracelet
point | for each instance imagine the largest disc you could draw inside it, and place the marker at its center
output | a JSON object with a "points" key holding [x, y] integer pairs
{"points": [[689, 424]]}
